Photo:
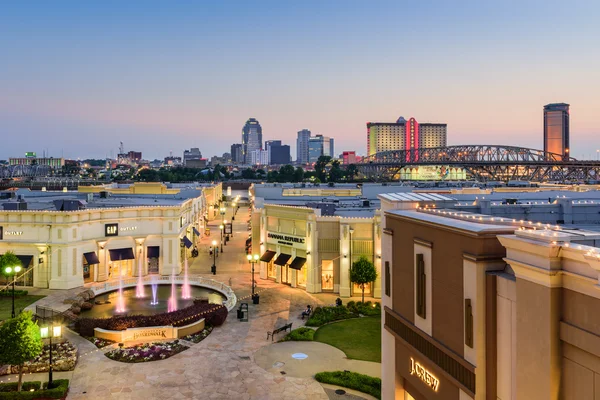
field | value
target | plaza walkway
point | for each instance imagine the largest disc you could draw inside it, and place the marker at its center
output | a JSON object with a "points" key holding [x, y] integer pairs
{"points": [[235, 361]]}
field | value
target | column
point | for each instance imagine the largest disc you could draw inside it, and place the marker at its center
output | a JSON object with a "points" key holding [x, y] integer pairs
{"points": [[344, 260]]}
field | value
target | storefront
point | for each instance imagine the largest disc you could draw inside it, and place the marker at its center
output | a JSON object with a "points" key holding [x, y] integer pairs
{"points": [[300, 248]]}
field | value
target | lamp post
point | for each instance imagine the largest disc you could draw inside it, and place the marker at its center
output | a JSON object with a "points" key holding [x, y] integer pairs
{"points": [[223, 209], [213, 269], [48, 332], [221, 227], [253, 259], [13, 271]]}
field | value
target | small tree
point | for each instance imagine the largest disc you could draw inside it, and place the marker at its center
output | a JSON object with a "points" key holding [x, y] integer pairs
{"points": [[20, 341], [362, 272]]}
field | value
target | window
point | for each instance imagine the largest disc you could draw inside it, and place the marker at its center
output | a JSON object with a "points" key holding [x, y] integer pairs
{"points": [[421, 287], [387, 279], [468, 323]]}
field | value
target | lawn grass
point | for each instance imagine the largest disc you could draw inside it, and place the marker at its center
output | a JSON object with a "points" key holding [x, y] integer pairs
{"points": [[359, 338], [20, 303]]}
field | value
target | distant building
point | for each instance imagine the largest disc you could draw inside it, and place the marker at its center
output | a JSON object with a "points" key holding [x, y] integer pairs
{"points": [[191, 154], [173, 161], [227, 157], [33, 160], [259, 157], [319, 146], [278, 154], [196, 163], [404, 135], [348, 157], [131, 157], [251, 138], [302, 146], [556, 129], [236, 153]]}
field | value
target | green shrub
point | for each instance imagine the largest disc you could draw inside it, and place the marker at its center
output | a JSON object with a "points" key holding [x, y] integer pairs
{"points": [[324, 315], [352, 380], [58, 390], [352, 307], [12, 386], [8, 293], [369, 309], [300, 335]]}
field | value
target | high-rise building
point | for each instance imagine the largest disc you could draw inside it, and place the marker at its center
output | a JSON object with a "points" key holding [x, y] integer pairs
{"points": [[191, 154], [259, 157], [319, 146], [278, 154], [251, 138], [236, 153], [404, 135], [302, 146], [556, 129]]}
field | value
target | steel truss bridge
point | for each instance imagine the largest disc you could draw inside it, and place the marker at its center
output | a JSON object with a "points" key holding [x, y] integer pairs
{"points": [[25, 171], [483, 163]]}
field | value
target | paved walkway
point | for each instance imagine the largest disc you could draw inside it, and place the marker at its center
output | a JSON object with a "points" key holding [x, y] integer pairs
{"points": [[231, 363]]}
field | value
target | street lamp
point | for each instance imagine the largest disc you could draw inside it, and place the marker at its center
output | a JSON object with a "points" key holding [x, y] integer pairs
{"points": [[223, 209], [49, 332], [221, 227], [213, 269], [253, 259], [13, 271]]}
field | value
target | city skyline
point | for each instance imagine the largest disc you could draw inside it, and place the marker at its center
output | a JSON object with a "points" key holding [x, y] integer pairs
{"points": [[109, 77]]}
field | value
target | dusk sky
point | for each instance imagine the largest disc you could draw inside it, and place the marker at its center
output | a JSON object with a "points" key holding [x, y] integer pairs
{"points": [[77, 78]]}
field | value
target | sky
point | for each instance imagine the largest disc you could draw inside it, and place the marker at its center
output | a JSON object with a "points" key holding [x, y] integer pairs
{"points": [[77, 78]]}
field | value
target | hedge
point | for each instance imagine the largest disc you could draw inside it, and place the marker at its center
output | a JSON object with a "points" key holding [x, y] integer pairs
{"points": [[368, 309], [9, 293], [300, 335], [213, 314], [352, 380], [59, 390], [324, 315]]}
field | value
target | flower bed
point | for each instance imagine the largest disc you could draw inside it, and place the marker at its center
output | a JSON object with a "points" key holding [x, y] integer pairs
{"points": [[64, 358], [200, 336], [32, 391], [100, 343], [146, 352], [214, 315]]}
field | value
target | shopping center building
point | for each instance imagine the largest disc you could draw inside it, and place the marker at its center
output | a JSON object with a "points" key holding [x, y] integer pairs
{"points": [[485, 307], [67, 239]]}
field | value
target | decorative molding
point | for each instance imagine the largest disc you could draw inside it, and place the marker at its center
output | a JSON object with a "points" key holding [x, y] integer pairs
{"points": [[423, 242]]}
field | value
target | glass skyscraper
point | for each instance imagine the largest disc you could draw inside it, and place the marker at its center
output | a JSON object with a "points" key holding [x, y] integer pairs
{"points": [[556, 129], [251, 139]]}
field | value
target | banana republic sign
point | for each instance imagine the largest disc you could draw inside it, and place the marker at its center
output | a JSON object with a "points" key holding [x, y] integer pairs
{"points": [[298, 242]]}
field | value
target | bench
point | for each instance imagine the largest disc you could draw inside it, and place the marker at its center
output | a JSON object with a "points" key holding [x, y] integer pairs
{"points": [[282, 329], [302, 314]]}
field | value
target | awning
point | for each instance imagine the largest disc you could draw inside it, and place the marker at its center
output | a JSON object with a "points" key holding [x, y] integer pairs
{"points": [[91, 258], [196, 231], [121, 254], [153, 251], [268, 256], [282, 259], [25, 260], [297, 263], [187, 242]]}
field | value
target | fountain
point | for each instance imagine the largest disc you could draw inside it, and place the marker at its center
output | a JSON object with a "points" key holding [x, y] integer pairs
{"points": [[173, 299], [154, 294], [139, 290], [121, 299], [186, 292]]}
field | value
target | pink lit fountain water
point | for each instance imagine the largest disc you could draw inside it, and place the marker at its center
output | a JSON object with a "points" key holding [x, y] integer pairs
{"points": [[172, 306], [186, 292], [139, 289]]}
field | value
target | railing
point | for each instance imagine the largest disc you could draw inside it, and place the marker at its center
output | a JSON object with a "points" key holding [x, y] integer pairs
{"points": [[100, 288]]}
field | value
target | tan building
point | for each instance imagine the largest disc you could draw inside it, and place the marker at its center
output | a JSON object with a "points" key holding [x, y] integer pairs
{"points": [[301, 248], [478, 308]]}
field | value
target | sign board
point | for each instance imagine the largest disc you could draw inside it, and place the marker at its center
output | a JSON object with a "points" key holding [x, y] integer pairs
{"points": [[228, 229], [30, 154], [111, 229], [432, 173], [285, 239], [424, 375]]}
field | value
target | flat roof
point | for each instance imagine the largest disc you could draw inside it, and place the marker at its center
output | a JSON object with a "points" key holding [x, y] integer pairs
{"points": [[453, 223]]}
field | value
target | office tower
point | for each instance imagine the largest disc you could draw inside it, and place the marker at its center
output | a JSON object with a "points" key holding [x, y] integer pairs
{"points": [[319, 146], [191, 154], [236, 153], [556, 129], [259, 157], [348, 157], [404, 135], [278, 154], [302, 146], [251, 138]]}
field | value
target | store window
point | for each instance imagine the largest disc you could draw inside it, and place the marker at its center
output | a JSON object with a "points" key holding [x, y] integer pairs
{"points": [[327, 275], [302, 277]]}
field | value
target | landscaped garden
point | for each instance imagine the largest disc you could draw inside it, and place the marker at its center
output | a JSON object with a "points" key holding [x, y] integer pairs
{"points": [[200, 336], [34, 390], [100, 343], [146, 352], [359, 338], [22, 300]]}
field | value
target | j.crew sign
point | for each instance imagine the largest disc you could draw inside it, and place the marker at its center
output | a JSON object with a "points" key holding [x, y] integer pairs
{"points": [[426, 376]]}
